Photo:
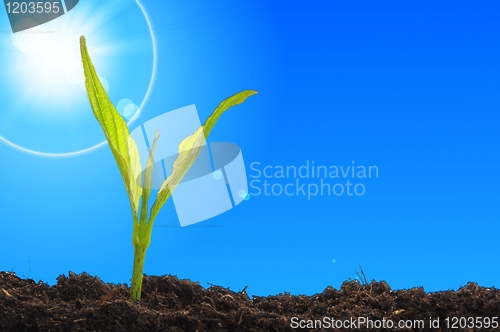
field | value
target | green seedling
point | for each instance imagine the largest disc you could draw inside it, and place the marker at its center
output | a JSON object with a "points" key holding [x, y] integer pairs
{"points": [[126, 154]]}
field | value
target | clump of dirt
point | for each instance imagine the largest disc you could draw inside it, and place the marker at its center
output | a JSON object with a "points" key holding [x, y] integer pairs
{"points": [[85, 303]]}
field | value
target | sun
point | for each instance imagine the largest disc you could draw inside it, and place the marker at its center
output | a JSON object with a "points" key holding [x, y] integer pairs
{"points": [[46, 113]]}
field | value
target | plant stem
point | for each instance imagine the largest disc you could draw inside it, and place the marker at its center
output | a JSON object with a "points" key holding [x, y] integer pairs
{"points": [[139, 257]]}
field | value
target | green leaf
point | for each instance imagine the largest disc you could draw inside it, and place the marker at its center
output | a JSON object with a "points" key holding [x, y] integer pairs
{"points": [[115, 130], [190, 148], [148, 179]]}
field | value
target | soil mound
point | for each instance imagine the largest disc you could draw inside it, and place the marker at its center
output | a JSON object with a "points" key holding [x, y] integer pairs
{"points": [[85, 303]]}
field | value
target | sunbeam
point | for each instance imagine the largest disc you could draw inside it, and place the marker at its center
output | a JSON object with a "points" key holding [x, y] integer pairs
{"points": [[45, 109]]}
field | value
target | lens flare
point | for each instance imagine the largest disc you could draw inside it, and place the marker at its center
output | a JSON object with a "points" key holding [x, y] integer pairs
{"points": [[46, 111]]}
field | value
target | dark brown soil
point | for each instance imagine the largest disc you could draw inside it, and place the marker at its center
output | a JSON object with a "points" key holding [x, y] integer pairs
{"points": [[85, 303]]}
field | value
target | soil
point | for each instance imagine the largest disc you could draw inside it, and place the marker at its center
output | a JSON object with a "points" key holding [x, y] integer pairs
{"points": [[85, 303]]}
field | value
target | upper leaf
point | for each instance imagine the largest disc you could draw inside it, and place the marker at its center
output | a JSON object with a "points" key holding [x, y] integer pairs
{"points": [[190, 148], [115, 130]]}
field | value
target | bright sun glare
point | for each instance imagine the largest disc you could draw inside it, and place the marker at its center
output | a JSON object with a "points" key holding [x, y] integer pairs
{"points": [[53, 63], [46, 65]]}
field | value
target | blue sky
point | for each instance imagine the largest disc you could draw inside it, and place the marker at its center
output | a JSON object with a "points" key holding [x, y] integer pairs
{"points": [[412, 89]]}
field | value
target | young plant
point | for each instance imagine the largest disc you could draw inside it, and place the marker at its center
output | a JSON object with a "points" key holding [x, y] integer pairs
{"points": [[126, 154]]}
